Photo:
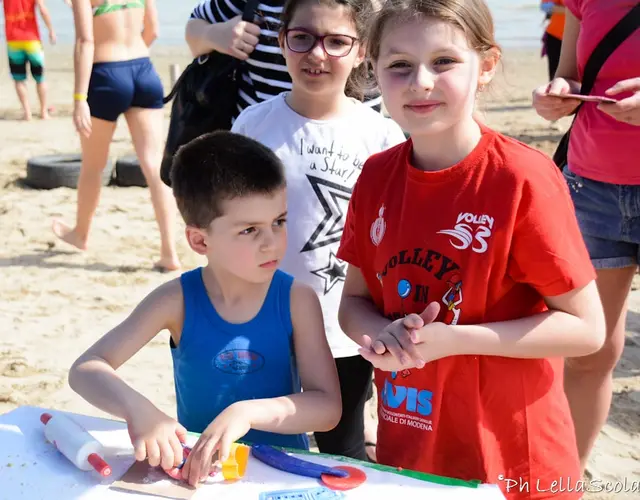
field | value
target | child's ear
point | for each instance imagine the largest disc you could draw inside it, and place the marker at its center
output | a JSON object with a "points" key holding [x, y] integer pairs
{"points": [[362, 52], [488, 66], [281, 41], [197, 239]]}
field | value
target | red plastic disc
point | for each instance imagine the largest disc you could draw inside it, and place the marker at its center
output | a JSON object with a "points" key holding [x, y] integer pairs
{"points": [[355, 478]]}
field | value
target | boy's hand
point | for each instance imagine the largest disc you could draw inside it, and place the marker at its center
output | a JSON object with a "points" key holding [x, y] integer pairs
{"points": [[52, 37], [228, 427], [156, 436], [399, 340]]}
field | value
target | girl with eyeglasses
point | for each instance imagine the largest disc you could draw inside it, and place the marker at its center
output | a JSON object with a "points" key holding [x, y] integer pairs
{"points": [[323, 134]]}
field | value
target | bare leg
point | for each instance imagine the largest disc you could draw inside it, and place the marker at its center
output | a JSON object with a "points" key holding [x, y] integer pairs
{"points": [[589, 380], [95, 152], [42, 96], [23, 95], [145, 126]]}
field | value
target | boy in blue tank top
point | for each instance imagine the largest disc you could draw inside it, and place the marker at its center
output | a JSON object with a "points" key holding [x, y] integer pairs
{"points": [[246, 338]]}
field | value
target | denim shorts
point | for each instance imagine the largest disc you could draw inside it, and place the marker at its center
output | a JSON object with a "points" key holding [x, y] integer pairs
{"points": [[609, 219]]}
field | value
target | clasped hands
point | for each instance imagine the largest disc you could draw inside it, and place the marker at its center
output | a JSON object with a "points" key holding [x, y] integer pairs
{"points": [[410, 342]]}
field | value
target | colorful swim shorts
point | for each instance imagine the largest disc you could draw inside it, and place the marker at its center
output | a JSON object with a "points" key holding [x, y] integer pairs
{"points": [[21, 53]]}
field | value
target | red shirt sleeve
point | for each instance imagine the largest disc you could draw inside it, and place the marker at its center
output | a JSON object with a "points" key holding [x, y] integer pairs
{"points": [[548, 251], [348, 250]]}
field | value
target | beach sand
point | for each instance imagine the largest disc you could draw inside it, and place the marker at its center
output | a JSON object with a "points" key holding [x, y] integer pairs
{"points": [[55, 302]]}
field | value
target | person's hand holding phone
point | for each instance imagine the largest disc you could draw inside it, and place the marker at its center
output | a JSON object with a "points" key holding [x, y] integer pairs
{"points": [[625, 110], [551, 107]]}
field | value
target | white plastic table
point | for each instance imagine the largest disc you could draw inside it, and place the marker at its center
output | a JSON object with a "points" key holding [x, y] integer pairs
{"points": [[32, 469]]}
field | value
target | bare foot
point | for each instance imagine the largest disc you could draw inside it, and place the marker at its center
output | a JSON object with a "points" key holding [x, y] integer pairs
{"points": [[45, 114], [166, 264], [68, 235], [26, 117]]}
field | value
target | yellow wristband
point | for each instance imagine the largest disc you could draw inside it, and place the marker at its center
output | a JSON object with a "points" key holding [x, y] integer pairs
{"points": [[79, 97]]}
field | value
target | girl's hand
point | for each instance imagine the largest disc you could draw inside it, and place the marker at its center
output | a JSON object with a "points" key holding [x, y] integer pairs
{"points": [[82, 118], [156, 437], [228, 427], [626, 110], [398, 338], [238, 39], [386, 362], [436, 339], [553, 108]]}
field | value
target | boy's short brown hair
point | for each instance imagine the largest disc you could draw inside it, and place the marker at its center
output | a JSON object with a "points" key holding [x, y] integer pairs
{"points": [[218, 166]]}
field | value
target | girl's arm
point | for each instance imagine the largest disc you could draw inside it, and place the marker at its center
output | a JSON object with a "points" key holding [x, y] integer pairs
{"points": [[83, 49], [568, 64], [566, 77], [234, 37], [151, 24], [358, 316], [574, 326]]}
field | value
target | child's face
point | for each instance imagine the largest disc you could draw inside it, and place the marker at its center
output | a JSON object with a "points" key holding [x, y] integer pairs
{"points": [[429, 75], [250, 239], [315, 72]]}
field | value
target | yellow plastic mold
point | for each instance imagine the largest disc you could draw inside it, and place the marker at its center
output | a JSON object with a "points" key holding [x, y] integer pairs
{"points": [[235, 466]]}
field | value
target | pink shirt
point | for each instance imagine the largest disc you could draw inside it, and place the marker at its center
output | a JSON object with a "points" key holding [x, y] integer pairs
{"points": [[603, 148]]}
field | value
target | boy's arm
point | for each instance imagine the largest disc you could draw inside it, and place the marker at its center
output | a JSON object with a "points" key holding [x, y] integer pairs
{"points": [[94, 376], [319, 407], [44, 12], [151, 24]]}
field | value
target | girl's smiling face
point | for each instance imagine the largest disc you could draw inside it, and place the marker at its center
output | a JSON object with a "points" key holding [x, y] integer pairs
{"points": [[429, 75]]}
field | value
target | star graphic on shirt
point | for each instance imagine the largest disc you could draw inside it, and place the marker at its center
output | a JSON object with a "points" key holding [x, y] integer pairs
{"points": [[334, 199], [334, 271]]}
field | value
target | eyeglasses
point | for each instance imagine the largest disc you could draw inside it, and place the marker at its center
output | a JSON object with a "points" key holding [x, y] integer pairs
{"points": [[301, 41]]}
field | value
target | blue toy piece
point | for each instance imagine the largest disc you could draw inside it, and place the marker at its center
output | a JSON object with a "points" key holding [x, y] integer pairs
{"points": [[281, 461], [302, 494]]}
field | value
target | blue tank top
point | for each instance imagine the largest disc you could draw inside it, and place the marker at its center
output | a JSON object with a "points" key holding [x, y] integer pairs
{"points": [[218, 363]]}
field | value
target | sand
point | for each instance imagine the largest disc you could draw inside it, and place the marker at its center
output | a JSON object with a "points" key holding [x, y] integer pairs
{"points": [[55, 302]]}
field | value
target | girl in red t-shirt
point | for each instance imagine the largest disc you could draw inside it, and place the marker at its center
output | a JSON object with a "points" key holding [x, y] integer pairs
{"points": [[468, 281]]}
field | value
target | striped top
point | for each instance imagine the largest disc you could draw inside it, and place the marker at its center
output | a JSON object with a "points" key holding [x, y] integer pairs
{"points": [[266, 74]]}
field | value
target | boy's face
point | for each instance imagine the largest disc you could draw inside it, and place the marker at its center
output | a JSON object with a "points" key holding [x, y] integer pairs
{"points": [[250, 239]]}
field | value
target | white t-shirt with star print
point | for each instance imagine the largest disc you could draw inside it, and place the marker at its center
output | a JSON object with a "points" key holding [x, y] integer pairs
{"points": [[323, 159]]}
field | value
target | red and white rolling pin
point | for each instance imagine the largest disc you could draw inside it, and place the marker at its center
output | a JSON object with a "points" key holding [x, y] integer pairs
{"points": [[75, 443]]}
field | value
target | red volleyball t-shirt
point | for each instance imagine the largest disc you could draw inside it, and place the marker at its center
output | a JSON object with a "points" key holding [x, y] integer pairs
{"points": [[20, 23], [487, 239]]}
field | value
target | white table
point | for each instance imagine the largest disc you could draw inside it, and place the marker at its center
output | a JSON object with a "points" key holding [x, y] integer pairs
{"points": [[32, 469]]}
